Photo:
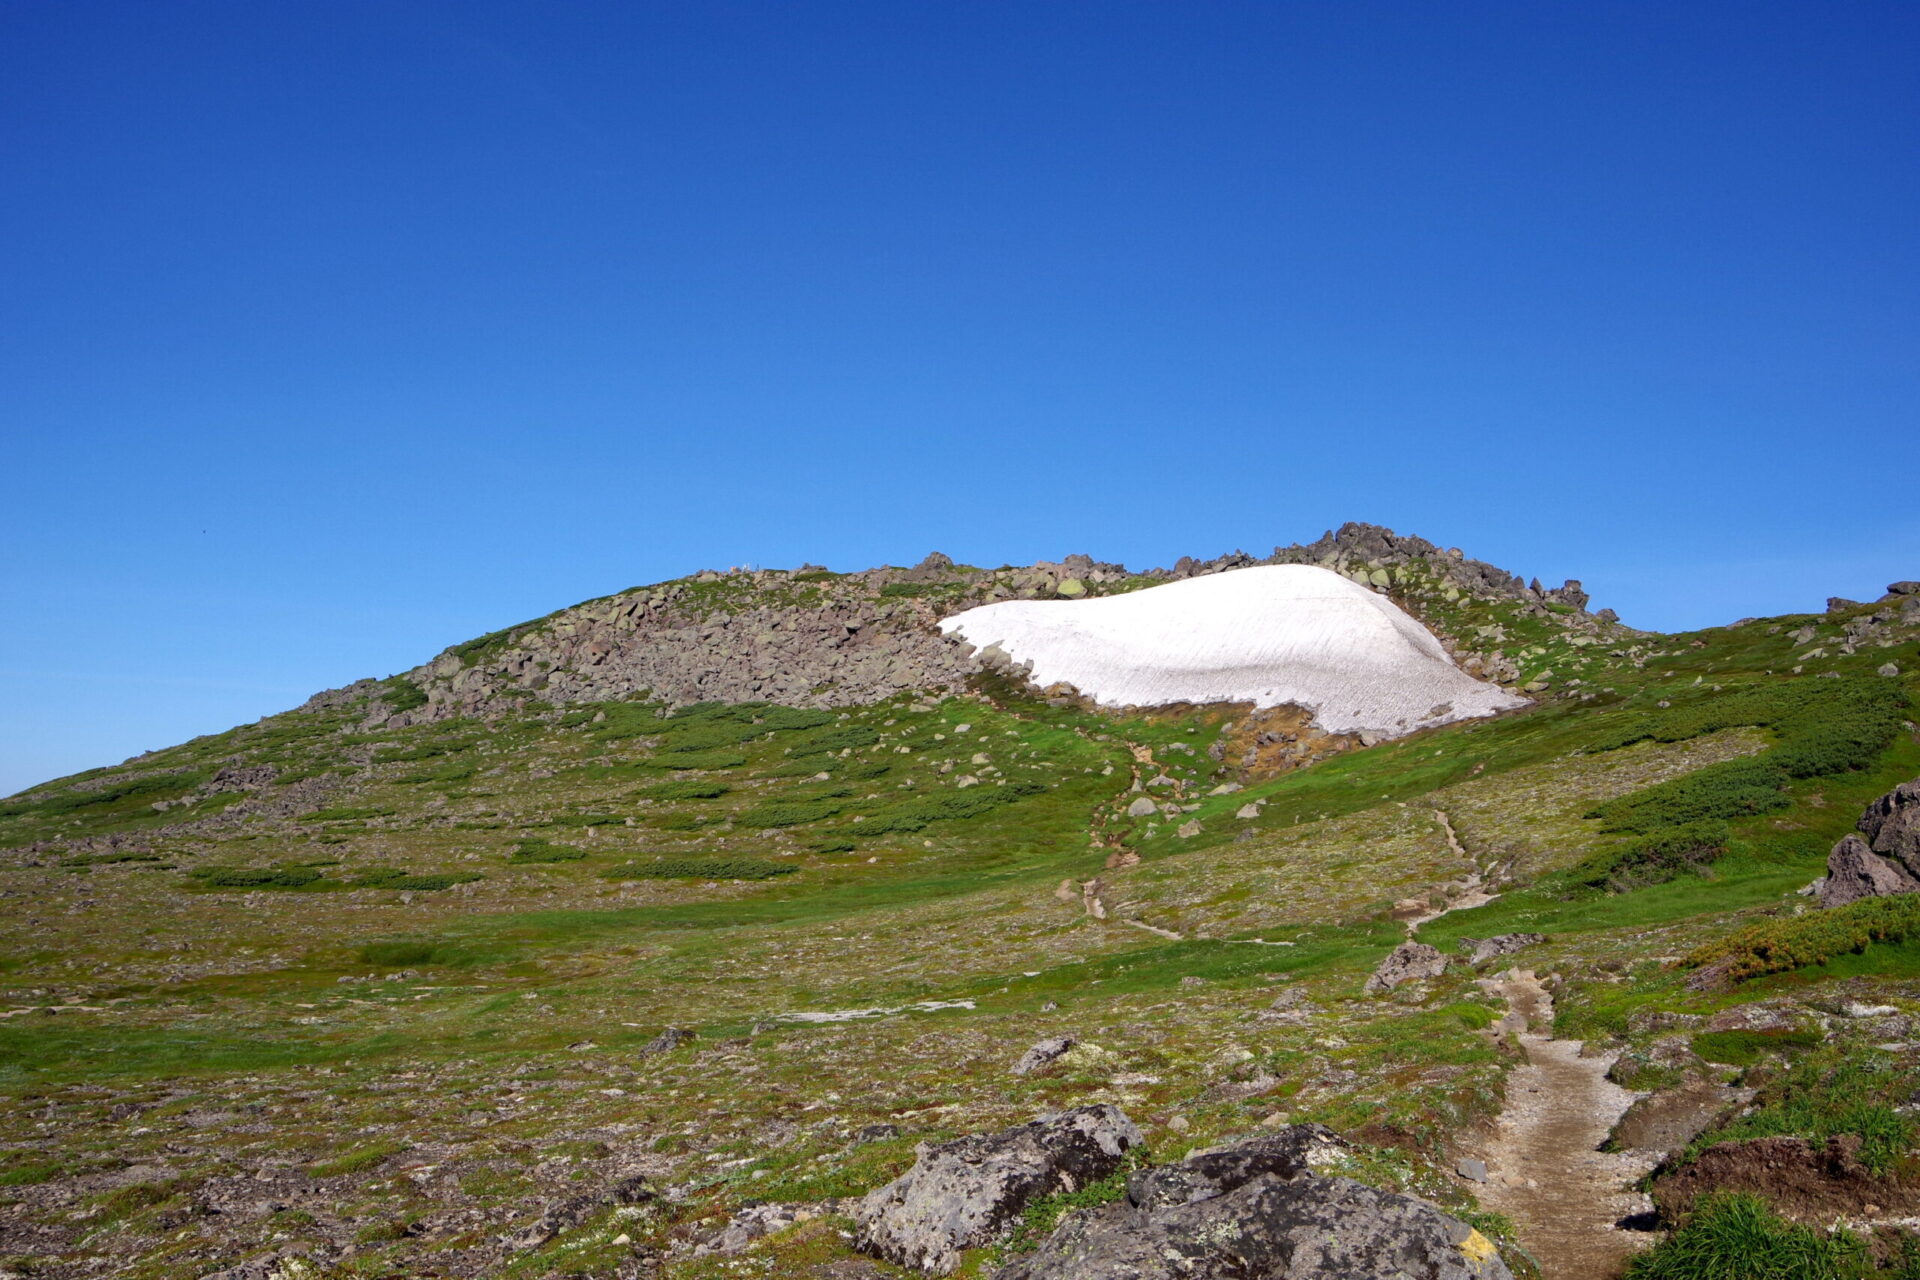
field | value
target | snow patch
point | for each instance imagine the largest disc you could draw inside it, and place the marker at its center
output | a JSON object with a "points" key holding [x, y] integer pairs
{"points": [[1272, 635]]}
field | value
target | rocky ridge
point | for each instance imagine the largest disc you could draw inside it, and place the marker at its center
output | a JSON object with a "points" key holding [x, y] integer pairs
{"points": [[810, 637]]}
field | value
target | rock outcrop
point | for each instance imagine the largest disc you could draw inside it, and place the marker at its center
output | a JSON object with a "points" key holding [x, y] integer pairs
{"points": [[964, 1193], [1258, 1209], [1408, 962], [1884, 858], [808, 637]]}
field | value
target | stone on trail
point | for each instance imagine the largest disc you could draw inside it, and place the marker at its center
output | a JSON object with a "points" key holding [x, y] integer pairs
{"points": [[1258, 1209], [964, 1193], [1408, 962]]}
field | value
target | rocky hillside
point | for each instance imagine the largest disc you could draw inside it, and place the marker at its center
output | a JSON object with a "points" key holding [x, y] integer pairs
{"points": [[812, 637], [742, 925]]}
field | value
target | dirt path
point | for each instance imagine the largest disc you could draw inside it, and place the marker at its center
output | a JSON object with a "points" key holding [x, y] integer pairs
{"points": [[1544, 1169]]}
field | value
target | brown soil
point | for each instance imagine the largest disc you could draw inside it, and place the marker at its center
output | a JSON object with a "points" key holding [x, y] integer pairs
{"points": [[1545, 1169], [1809, 1183]]}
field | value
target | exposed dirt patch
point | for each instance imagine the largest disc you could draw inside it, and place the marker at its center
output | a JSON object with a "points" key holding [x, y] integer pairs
{"points": [[1545, 1169], [1807, 1182]]}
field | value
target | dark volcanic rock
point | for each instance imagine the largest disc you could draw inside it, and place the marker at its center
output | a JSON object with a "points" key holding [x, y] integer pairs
{"points": [[1855, 871], [1891, 825], [1257, 1211], [964, 1193]]}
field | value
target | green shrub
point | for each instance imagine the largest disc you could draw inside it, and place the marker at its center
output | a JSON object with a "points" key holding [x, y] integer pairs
{"points": [[1790, 942], [1739, 1237], [1824, 727], [1744, 1048], [918, 813], [392, 878], [1652, 859], [359, 1160], [700, 869], [539, 851], [157, 786], [816, 575], [790, 813], [394, 955], [255, 877], [696, 760], [686, 789], [402, 694], [852, 735], [583, 820], [865, 770]]}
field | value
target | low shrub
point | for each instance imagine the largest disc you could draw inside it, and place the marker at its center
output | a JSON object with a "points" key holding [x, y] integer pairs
{"points": [[685, 789], [255, 877], [1652, 859], [918, 813], [540, 851], [393, 878], [700, 869], [402, 694], [696, 760], [1744, 1048], [1791, 942], [791, 813]]}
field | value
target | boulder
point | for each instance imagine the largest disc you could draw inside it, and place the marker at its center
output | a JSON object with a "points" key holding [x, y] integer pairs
{"points": [[1908, 588], [666, 1042], [1891, 826], [1481, 950], [1408, 962], [1044, 1054], [1258, 1209], [1142, 807], [1854, 871], [964, 1193]]}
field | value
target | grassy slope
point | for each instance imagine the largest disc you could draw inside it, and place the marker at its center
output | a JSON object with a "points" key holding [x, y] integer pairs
{"points": [[459, 1035]]}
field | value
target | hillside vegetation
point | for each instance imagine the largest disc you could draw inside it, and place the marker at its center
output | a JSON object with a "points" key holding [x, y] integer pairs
{"points": [[381, 981]]}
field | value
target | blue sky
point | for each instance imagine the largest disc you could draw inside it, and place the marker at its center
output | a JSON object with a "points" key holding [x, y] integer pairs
{"points": [[335, 333]]}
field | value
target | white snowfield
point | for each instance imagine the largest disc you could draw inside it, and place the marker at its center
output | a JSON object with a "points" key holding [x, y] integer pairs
{"points": [[1271, 635]]}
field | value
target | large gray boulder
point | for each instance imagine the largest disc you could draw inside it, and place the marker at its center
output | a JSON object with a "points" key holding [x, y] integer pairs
{"points": [[1855, 871], [1258, 1210], [1891, 826], [1408, 962], [964, 1193]]}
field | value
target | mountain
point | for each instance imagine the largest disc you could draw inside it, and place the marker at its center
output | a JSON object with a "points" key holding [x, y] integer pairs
{"points": [[647, 937]]}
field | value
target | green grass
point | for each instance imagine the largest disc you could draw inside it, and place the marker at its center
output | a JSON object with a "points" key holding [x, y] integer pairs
{"points": [[1830, 1091], [1744, 1048], [1740, 1237]]}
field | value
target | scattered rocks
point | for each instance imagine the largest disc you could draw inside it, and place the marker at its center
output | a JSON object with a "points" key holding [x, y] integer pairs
{"points": [[964, 1193], [1481, 950], [1258, 1209], [1408, 962], [755, 1222]]}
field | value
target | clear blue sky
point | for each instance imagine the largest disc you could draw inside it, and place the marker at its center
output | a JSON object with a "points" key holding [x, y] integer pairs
{"points": [[338, 332]]}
